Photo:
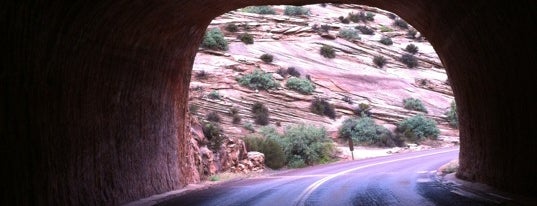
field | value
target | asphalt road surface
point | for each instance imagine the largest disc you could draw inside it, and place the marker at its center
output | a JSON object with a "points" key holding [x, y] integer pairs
{"points": [[400, 179]]}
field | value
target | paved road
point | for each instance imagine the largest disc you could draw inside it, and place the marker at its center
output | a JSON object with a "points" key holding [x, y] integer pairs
{"points": [[401, 179]]}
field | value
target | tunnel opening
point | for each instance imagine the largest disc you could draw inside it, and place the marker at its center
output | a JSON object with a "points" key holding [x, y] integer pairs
{"points": [[96, 93], [286, 47]]}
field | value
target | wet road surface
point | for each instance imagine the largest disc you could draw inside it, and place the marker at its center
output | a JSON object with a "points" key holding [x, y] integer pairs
{"points": [[400, 179]]}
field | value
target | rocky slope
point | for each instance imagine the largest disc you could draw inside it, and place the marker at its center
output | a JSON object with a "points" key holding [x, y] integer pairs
{"points": [[294, 42]]}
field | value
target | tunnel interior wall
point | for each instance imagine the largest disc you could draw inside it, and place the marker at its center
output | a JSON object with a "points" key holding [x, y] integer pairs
{"points": [[95, 93]]}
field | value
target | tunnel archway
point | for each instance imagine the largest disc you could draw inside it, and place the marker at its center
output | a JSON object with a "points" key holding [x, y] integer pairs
{"points": [[94, 92]]}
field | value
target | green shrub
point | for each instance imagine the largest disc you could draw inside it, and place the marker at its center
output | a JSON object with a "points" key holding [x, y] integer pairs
{"points": [[409, 60], [392, 16], [270, 147], [231, 27], [365, 30], [259, 10], [302, 86], [307, 143], [385, 29], [246, 38], [369, 16], [411, 48], [328, 51], [213, 117], [267, 58], [260, 113], [452, 116], [366, 132], [417, 128], [214, 39], [293, 72], [214, 95], [296, 10], [380, 61], [258, 80], [386, 40], [213, 132], [400, 23], [349, 34], [321, 107], [414, 104]]}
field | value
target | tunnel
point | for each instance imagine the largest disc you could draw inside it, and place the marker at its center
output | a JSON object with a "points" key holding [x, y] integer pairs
{"points": [[94, 93]]}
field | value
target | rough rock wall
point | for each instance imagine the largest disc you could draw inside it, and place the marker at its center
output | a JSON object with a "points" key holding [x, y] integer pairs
{"points": [[94, 92]]}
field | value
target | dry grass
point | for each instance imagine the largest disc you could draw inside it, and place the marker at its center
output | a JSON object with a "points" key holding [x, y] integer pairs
{"points": [[449, 167]]}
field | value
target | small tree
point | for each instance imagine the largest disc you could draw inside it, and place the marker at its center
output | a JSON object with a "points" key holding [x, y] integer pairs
{"points": [[213, 117], [231, 27], [293, 72], [365, 30], [400, 23]]}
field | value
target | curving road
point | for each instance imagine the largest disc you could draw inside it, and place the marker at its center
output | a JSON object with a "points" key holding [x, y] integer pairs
{"points": [[400, 179]]}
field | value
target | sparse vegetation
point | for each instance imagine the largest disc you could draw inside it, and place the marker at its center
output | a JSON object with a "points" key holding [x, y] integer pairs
{"points": [[232, 27], [361, 16], [417, 128], [347, 99], [260, 113], [386, 40], [234, 113], [214, 95], [392, 16], [300, 85], [400, 23], [380, 61], [452, 116], [365, 30], [414, 104], [267, 58], [295, 10], [328, 51], [259, 10], [366, 132], [349, 34], [282, 72], [411, 48], [214, 39], [246, 38], [409, 60], [321, 106], [258, 79]]}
